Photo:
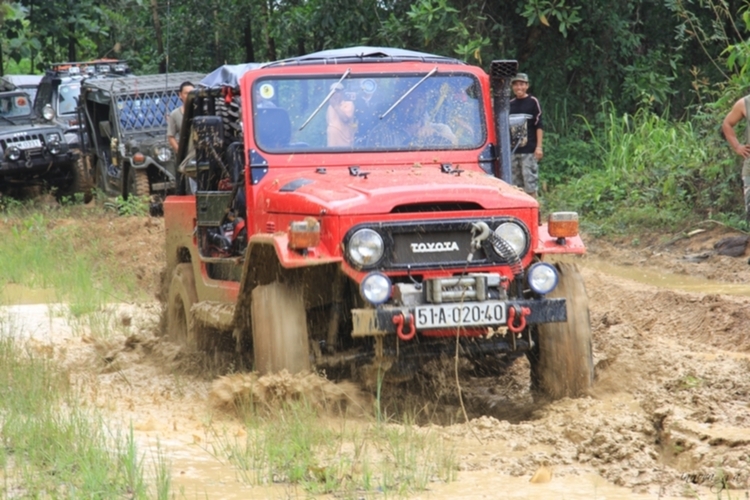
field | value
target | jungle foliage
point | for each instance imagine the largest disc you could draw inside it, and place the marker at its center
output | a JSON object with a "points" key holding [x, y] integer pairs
{"points": [[633, 91]]}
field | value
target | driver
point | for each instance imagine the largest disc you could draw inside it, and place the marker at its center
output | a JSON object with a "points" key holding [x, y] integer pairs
{"points": [[411, 125]]}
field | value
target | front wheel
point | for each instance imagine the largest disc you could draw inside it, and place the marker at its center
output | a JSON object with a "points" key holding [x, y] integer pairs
{"points": [[561, 362], [137, 183], [280, 339]]}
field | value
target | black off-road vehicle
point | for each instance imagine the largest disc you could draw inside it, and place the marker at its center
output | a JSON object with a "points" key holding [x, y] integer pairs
{"points": [[57, 96], [124, 132], [33, 150]]}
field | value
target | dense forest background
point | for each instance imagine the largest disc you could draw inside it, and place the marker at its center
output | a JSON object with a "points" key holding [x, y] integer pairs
{"points": [[633, 91]]}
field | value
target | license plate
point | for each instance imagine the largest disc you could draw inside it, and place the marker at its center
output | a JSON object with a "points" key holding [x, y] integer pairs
{"points": [[31, 144], [456, 314]]}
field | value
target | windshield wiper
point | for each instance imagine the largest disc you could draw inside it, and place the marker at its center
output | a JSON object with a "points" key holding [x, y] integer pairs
{"points": [[327, 98], [434, 70]]}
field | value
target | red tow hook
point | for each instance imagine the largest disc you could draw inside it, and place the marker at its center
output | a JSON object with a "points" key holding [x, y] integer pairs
{"points": [[522, 312], [398, 320]]}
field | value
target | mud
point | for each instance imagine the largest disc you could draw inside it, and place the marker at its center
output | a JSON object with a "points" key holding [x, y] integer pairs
{"points": [[668, 415]]}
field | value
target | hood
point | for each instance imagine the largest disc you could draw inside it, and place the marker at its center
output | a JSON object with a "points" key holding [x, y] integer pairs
{"points": [[27, 127], [379, 191]]}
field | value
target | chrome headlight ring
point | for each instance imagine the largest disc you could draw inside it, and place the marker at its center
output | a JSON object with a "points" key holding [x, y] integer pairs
{"points": [[365, 247], [163, 153], [13, 153], [515, 236], [376, 288], [542, 278]]}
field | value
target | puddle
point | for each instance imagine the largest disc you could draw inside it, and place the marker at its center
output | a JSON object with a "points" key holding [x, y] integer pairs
{"points": [[671, 281]]}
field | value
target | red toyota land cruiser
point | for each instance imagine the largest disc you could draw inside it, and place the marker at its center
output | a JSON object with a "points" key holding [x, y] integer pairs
{"points": [[353, 207]]}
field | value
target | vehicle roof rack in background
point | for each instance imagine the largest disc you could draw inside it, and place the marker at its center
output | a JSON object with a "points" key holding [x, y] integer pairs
{"points": [[90, 68]]}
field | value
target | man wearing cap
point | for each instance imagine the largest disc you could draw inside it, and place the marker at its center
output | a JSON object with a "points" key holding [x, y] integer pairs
{"points": [[526, 135], [340, 119]]}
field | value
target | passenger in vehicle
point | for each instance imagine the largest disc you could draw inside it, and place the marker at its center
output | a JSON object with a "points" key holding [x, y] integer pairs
{"points": [[340, 119]]}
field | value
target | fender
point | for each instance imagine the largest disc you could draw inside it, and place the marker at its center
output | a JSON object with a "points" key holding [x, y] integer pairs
{"points": [[288, 258], [550, 245]]}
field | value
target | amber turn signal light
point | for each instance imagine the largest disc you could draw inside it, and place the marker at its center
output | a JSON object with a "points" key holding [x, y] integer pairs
{"points": [[304, 234], [139, 158], [563, 224]]}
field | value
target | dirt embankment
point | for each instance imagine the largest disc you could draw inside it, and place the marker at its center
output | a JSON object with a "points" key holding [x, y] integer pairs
{"points": [[670, 410]]}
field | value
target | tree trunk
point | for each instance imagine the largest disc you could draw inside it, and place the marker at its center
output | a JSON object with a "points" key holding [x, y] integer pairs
{"points": [[248, 35], [270, 42], [159, 38], [71, 42]]}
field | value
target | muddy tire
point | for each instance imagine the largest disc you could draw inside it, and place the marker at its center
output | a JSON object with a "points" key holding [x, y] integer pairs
{"points": [[561, 362], [280, 340], [181, 327], [137, 184], [79, 180]]}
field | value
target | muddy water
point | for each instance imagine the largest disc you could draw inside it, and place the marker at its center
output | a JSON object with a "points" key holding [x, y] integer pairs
{"points": [[682, 282]]}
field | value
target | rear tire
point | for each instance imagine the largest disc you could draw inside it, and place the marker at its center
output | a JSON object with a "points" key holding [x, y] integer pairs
{"points": [[182, 296], [280, 339], [562, 363]]}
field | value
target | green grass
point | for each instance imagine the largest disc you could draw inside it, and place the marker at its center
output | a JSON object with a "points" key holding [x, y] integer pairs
{"points": [[629, 173], [296, 445], [51, 446], [40, 250]]}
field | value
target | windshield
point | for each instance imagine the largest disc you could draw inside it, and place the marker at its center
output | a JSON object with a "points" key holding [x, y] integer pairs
{"points": [[67, 98], [14, 105], [368, 113]]}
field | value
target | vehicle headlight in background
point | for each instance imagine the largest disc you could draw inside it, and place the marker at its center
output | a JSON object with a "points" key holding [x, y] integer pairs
{"points": [[163, 153], [376, 288], [542, 278], [13, 153], [47, 112], [53, 137], [514, 235], [366, 247], [54, 146]]}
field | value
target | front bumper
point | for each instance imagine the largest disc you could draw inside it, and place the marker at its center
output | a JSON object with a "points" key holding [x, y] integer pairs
{"points": [[386, 320], [36, 163]]}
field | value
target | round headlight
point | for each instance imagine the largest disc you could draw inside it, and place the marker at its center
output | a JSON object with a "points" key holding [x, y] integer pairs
{"points": [[376, 288], [13, 153], [163, 153], [514, 235], [53, 137], [366, 247], [54, 147], [47, 112], [542, 278]]}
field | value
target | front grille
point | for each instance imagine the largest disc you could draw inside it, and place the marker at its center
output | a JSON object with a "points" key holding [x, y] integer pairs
{"points": [[21, 139], [433, 244]]}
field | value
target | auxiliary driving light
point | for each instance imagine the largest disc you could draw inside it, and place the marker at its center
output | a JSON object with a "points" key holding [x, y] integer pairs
{"points": [[47, 112], [542, 277], [376, 288], [54, 147]]}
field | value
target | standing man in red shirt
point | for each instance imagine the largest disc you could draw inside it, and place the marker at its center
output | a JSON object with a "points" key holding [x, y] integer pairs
{"points": [[526, 136]]}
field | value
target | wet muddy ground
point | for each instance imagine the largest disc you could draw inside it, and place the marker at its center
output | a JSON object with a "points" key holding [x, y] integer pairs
{"points": [[668, 416]]}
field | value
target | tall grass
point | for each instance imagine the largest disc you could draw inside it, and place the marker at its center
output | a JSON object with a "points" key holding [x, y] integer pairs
{"points": [[632, 172], [53, 447], [296, 445], [40, 251]]}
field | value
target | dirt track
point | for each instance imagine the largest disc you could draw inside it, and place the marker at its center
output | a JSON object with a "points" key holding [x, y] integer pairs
{"points": [[669, 413]]}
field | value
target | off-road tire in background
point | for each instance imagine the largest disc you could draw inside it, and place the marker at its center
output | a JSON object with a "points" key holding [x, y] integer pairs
{"points": [[182, 295], [280, 338], [137, 183], [561, 361], [79, 180]]}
